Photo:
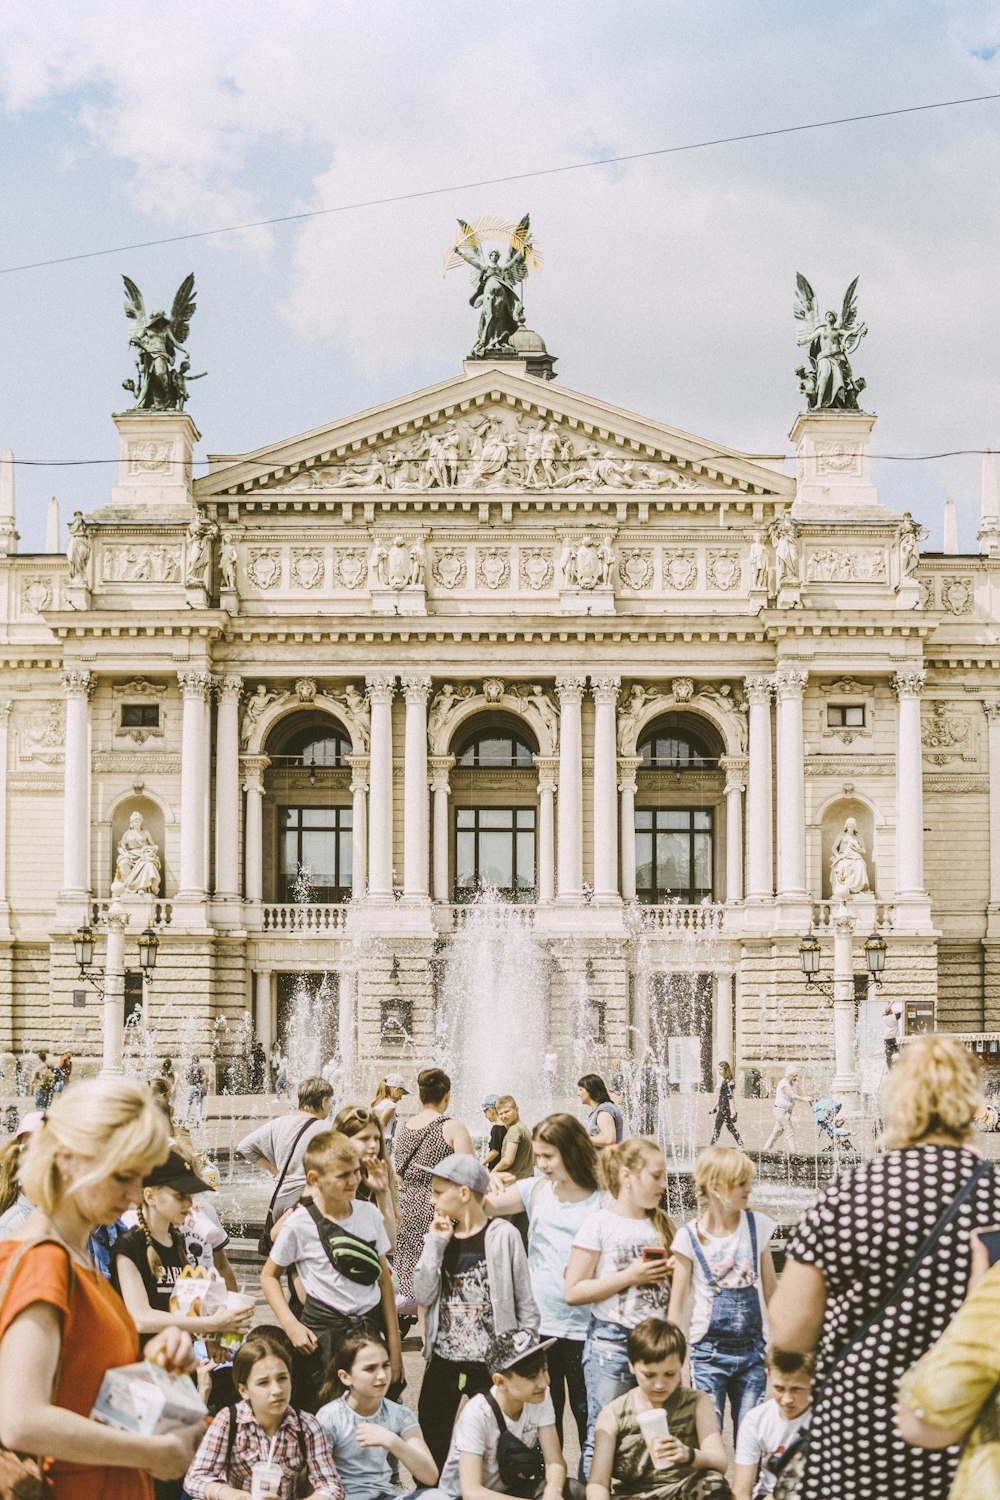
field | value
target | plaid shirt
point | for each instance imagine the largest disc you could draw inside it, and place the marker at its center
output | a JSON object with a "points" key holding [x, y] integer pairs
{"points": [[251, 1447]]}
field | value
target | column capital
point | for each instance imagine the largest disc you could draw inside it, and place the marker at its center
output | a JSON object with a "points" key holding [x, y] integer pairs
{"points": [[908, 682], [229, 688], [991, 708], [359, 765], [758, 689], [790, 681], [547, 767], [606, 688], [78, 682], [736, 768], [628, 768], [842, 921], [440, 767], [570, 688], [253, 768], [116, 917], [195, 683], [381, 687], [416, 686]]}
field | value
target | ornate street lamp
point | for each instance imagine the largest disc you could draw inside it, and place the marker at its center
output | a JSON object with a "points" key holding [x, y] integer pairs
{"points": [[148, 945], [84, 943], [810, 954]]}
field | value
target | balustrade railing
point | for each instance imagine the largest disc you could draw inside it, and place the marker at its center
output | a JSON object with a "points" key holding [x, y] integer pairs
{"points": [[161, 914], [703, 920], [300, 916], [823, 914]]}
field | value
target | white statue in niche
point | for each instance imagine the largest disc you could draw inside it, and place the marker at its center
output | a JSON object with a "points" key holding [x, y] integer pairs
{"points": [[758, 564], [137, 871], [848, 871], [418, 562], [398, 564]]}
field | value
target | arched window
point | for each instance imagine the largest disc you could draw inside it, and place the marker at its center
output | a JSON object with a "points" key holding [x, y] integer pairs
{"points": [[496, 747], [666, 749], [317, 745]]}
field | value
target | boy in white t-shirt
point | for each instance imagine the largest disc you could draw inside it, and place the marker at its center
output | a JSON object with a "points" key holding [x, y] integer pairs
{"points": [[770, 1428], [520, 1401]]}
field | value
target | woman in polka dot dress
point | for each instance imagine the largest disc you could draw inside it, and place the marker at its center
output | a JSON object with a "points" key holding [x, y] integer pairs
{"points": [[852, 1246]]}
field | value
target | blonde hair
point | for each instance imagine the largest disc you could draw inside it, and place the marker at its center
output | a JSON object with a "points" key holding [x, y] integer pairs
{"points": [[933, 1089], [720, 1167], [109, 1122], [632, 1156]]}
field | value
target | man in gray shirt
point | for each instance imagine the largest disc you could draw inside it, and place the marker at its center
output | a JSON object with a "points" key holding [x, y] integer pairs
{"points": [[273, 1145]]}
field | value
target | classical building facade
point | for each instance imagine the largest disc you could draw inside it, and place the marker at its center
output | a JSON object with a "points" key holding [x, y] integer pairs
{"points": [[499, 632]]}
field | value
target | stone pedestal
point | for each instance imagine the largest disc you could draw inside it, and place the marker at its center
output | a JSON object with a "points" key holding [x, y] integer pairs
{"points": [[789, 596], [587, 601], [908, 594], [196, 596], [78, 596], [154, 458], [834, 468], [756, 601], [229, 600], [411, 600]]}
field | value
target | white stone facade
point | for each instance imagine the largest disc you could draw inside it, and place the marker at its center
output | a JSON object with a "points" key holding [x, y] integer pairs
{"points": [[498, 552]]}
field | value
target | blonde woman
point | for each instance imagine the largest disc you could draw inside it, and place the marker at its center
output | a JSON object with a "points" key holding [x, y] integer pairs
{"points": [[391, 1089], [851, 1250], [61, 1325], [722, 1258]]}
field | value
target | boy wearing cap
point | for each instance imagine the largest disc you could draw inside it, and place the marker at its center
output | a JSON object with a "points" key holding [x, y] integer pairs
{"points": [[497, 1131], [519, 1402], [472, 1279]]}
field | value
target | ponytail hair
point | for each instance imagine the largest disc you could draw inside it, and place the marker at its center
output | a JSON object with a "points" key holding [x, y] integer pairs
{"points": [[632, 1156], [345, 1353], [153, 1260]]}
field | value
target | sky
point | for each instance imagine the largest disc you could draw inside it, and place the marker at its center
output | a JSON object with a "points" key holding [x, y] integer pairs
{"points": [[667, 285]]}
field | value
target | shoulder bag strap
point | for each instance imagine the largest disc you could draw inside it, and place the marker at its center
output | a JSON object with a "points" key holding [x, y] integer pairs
{"points": [[401, 1171], [288, 1163], [925, 1249], [492, 1403], [230, 1438]]}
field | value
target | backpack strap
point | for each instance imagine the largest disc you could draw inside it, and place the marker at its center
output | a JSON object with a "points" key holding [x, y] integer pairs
{"points": [[288, 1162], [498, 1414], [230, 1437]]}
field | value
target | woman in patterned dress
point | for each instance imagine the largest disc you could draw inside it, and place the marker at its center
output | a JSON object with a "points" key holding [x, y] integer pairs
{"points": [[422, 1141], [848, 1251]]}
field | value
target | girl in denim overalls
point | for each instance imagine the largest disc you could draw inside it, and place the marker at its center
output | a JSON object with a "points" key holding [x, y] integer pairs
{"points": [[722, 1257]]}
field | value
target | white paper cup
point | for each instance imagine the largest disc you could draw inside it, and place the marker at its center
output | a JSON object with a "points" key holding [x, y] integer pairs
{"points": [[653, 1424], [265, 1481], [238, 1301]]}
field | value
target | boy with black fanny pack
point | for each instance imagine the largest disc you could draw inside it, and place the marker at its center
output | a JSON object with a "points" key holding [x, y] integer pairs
{"points": [[338, 1247]]}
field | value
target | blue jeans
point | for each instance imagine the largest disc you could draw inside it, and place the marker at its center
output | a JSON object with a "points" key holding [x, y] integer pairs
{"points": [[606, 1371], [724, 1368]]}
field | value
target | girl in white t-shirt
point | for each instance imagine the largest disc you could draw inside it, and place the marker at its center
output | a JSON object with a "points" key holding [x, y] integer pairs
{"points": [[621, 1265], [722, 1259]]}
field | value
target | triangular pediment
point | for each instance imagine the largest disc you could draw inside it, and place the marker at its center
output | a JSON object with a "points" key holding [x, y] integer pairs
{"points": [[493, 430]]}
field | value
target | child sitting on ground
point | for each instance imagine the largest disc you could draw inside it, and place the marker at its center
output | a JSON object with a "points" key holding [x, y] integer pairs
{"points": [[662, 1438], [369, 1435], [770, 1428], [528, 1461], [472, 1279], [262, 1428]]}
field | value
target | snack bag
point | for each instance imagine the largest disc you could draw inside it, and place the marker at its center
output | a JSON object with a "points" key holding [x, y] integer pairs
{"points": [[198, 1293]]}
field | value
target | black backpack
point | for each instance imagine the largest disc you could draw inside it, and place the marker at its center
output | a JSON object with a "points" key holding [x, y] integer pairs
{"points": [[521, 1468]]}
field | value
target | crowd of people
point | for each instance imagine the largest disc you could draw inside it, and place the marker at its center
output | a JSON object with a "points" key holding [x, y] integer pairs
{"points": [[561, 1308]]}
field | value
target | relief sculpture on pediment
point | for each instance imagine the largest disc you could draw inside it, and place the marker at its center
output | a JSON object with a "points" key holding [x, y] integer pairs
{"points": [[141, 564]]}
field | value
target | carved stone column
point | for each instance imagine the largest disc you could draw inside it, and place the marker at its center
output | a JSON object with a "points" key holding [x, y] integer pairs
{"points": [[735, 768], [253, 767], [381, 690], [264, 1007], [570, 694], [227, 790], [194, 777], [846, 1083], [790, 684], [908, 685], [415, 801], [359, 825], [628, 766], [440, 791], [760, 864], [724, 1045], [547, 767], [606, 690], [79, 687], [113, 1012]]}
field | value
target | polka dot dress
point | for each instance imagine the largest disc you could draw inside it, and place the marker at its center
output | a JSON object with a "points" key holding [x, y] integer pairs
{"points": [[861, 1233]]}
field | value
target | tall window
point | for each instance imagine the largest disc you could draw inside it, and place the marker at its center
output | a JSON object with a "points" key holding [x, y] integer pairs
{"points": [[673, 854], [314, 843], [497, 748], [670, 749], [317, 746], [495, 846]]}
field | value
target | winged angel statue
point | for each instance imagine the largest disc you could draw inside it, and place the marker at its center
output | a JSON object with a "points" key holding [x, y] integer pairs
{"points": [[495, 283], [830, 382], [158, 385]]}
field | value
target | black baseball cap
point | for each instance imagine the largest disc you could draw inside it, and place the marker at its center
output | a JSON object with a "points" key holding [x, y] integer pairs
{"points": [[175, 1173], [508, 1350]]}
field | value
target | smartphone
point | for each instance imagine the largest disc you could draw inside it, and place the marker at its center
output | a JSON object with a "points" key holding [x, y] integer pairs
{"points": [[653, 1252], [990, 1236]]}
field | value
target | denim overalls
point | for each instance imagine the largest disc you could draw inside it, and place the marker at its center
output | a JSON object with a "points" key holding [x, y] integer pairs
{"points": [[729, 1357]]}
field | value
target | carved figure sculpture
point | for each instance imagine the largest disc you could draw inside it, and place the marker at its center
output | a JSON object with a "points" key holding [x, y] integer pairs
{"points": [[606, 559], [78, 548], [910, 534], [848, 871], [445, 702], [356, 476], [200, 533], [158, 386], [418, 562], [535, 700], [379, 563], [451, 444], [257, 706], [495, 286], [398, 564], [758, 564], [138, 866], [829, 344], [228, 558], [491, 451], [586, 563], [786, 552], [629, 713], [357, 713]]}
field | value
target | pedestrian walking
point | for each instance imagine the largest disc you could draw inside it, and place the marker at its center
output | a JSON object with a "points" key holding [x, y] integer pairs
{"points": [[42, 1082], [785, 1100], [890, 1033], [604, 1122], [197, 1088], [723, 1110]]}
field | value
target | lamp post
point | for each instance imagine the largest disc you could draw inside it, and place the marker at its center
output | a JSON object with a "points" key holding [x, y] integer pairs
{"points": [[846, 1082], [110, 981]]}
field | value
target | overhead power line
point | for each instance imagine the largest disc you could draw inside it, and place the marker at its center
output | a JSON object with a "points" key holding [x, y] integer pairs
{"points": [[458, 187]]}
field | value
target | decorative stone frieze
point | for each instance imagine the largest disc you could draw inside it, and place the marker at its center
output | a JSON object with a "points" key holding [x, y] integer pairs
{"points": [[957, 595]]}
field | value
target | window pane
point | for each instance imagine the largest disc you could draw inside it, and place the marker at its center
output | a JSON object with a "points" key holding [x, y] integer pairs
{"points": [[643, 818], [672, 862], [525, 817], [319, 857], [703, 862], [288, 817], [496, 817], [675, 817], [526, 858], [855, 715], [496, 864], [465, 860], [345, 854], [703, 820], [290, 855], [465, 817], [317, 817]]}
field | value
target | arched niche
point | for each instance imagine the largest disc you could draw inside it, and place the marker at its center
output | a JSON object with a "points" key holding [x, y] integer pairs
{"points": [[700, 741], [258, 727], [153, 821], [487, 723], [835, 815]]}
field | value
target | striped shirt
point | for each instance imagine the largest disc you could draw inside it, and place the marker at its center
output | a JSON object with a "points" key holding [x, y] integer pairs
{"points": [[251, 1446]]}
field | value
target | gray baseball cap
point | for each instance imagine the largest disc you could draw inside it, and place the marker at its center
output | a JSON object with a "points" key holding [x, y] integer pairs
{"points": [[490, 1102], [397, 1081], [507, 1350], [461, 1169]]}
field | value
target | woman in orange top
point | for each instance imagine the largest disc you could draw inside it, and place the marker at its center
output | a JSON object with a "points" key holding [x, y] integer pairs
{"points": [[61, 1325]]}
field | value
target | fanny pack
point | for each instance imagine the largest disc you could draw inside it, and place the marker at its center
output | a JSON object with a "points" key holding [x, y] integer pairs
{"points": [[521, 1468], [348, 1253]]}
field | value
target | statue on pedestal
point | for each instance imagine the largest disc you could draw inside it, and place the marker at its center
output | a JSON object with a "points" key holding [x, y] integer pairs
{"points": [[786, 552], [137, 871], [228, 559], [910, 534], [495, 282], [831, 383], [398, 564], [158, 385], [78, 548], [848, 871], [758, 564], [257, 706], [201, 533]]}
